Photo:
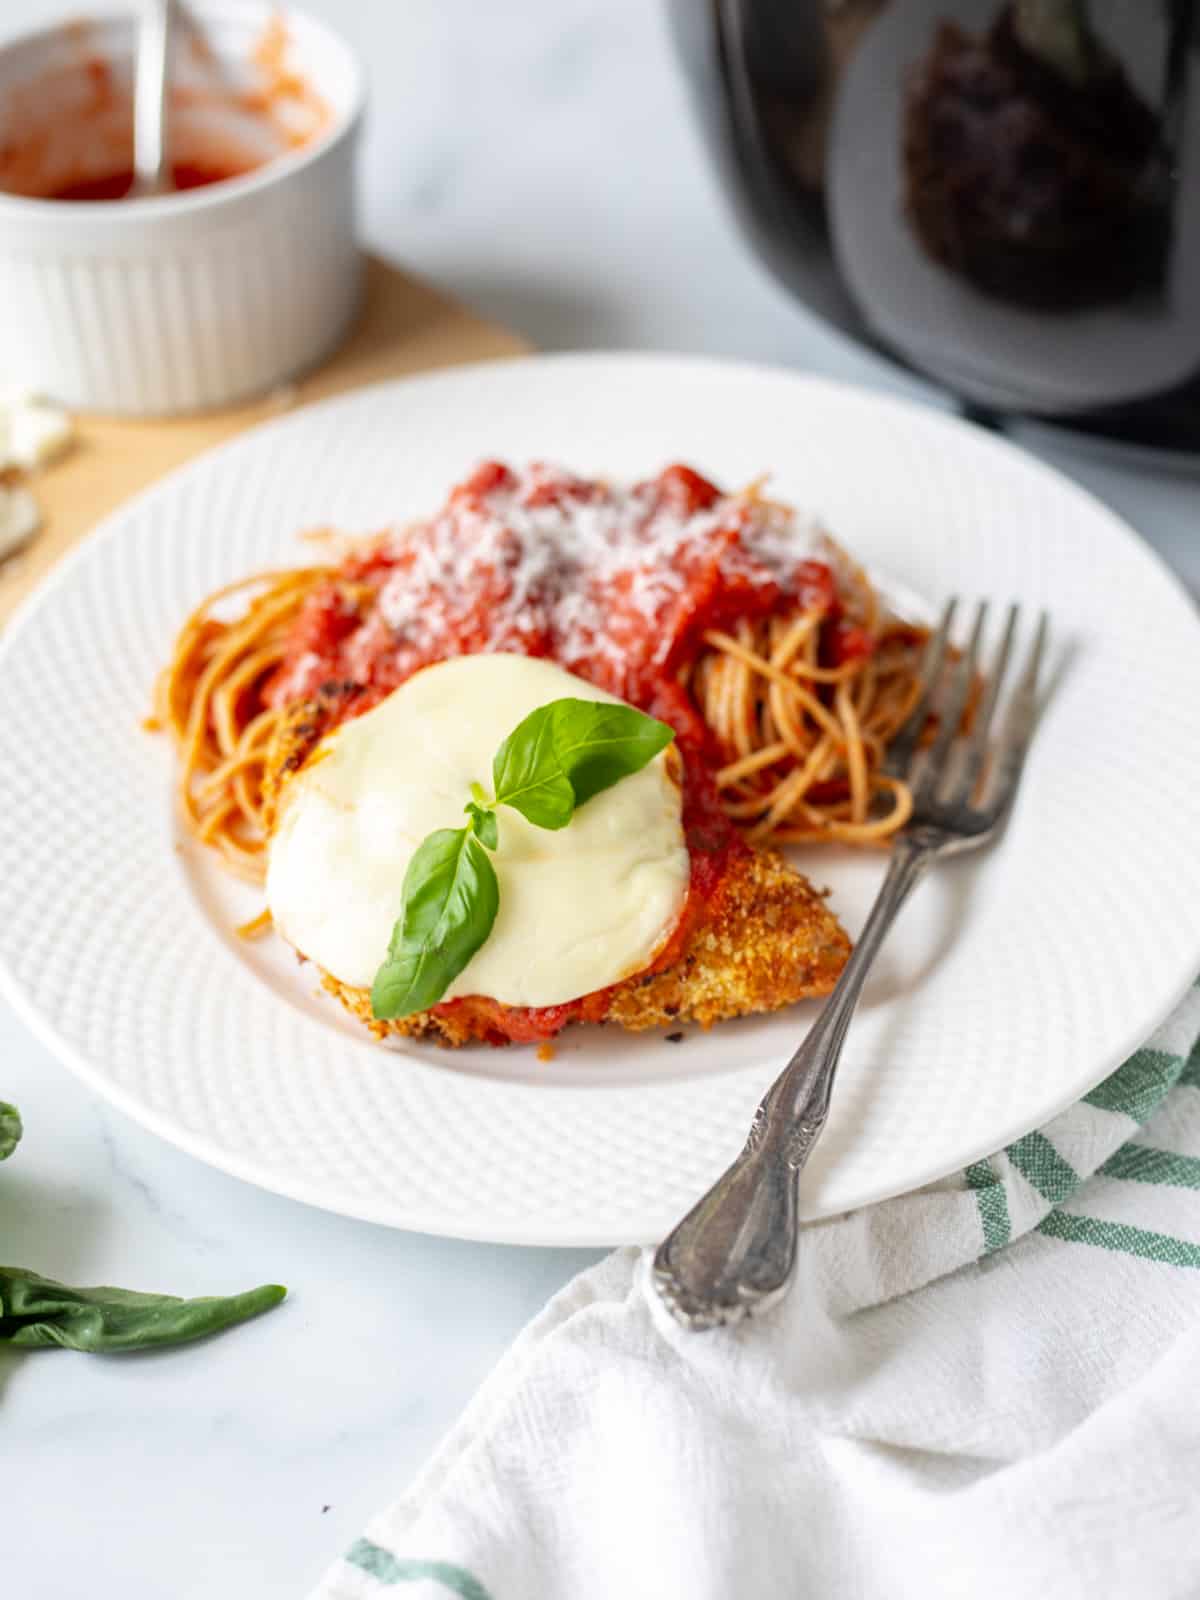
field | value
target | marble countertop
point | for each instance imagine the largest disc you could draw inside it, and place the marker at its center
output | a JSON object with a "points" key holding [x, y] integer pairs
{"points": [[494, 164]]}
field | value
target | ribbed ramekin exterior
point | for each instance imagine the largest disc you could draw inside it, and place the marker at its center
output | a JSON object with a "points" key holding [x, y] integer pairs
{"points": [[187, 304]]}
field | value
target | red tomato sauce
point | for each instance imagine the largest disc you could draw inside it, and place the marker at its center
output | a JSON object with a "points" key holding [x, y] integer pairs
{"points": [[67, 133], [616, 585], [116, 185]]}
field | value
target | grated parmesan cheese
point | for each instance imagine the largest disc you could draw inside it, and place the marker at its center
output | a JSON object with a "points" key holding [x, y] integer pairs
{"points": [[544, 551]]}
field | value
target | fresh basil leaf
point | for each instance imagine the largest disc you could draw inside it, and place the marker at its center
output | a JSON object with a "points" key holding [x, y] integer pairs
{"points": [[564, 753], [600, 744], [10, 1129], [451, 897], [483, 823], [37, 1311], [527, 774]]}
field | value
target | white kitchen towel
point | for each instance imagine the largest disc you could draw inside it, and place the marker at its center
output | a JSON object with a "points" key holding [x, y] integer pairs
{"points": [[988, 1387]]}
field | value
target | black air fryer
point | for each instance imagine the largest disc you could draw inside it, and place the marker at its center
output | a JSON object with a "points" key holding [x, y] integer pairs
{"points": [[1002, 194]]}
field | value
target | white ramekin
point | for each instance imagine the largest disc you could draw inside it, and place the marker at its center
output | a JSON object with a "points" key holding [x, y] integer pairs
{"points": [[192, 300]]}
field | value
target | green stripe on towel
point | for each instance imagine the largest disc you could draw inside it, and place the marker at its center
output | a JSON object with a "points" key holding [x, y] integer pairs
{"points": [[382, 1564], [1036, 1159], [1191, 1073], [1120, 1236], [1137, 1088], [993, 1205], [1141, 1163]]}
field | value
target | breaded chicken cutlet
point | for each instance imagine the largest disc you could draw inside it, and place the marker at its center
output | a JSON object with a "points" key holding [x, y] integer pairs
{"points": [[765, 939]]}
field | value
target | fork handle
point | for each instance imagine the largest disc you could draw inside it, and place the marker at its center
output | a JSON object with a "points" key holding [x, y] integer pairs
{"points": [[735, 1250]]}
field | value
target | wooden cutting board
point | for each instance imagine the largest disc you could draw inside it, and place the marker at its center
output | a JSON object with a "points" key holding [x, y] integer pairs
{"points": [[405, 326]]}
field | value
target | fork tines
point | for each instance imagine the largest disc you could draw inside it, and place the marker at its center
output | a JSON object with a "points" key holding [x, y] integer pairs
{"points": [[946, 774]]}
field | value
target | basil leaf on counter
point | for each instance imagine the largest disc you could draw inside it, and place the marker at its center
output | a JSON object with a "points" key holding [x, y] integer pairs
{"points": [[10, 1129], [451, 897], [36, 1311], [483, 823], [564, 753]]}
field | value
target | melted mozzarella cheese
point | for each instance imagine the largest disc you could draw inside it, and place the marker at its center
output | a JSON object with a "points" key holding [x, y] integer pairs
{"points": [[580, 908]]}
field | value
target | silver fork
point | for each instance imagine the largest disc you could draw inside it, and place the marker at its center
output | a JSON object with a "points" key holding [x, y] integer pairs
{"points": [[735, 1250]]}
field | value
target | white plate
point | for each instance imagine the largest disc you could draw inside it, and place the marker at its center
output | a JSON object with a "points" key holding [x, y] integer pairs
{"points": [[1011, 985]]}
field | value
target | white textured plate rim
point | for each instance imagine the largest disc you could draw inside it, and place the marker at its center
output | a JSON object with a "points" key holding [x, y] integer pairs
{"points": [[215, 1155], [477, 1227], [437, 1224]]}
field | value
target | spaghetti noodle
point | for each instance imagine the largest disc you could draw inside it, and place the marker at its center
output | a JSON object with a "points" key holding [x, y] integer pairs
{"points": [[798, 686], [209, 698], [805, 744]]}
